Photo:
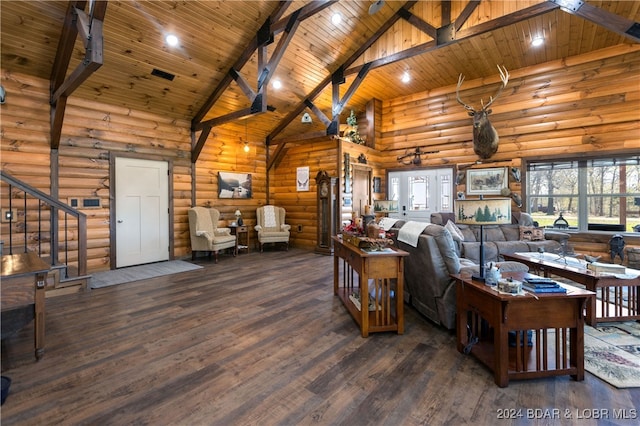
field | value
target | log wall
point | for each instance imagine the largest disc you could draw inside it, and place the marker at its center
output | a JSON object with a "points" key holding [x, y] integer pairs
{"points": [[92, 132], [582, 105], [224, 152]]}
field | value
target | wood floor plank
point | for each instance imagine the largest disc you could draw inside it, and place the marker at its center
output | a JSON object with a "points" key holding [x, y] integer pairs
{"points": [[257, 339]]}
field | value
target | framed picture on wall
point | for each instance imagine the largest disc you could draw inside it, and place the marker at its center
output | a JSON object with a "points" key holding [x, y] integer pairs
{"points": [[234, 185], [487, 181], [385, 206], [302, 178], [377, 185]]}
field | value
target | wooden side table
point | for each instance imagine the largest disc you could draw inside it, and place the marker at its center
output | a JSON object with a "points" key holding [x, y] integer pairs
{"points": [[24, 277], [243, 238], [485, 317], [379, 284]]}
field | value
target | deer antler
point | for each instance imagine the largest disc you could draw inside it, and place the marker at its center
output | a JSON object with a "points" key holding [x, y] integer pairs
{"points": [[468, 107], [504, 76]]}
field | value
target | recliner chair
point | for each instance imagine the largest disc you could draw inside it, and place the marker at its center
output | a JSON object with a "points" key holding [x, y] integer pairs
{"points": [[271, 227], [205, 234]]}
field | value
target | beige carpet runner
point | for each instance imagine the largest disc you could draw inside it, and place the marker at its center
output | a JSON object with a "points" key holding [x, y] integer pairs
{"points": [[612, 353]]}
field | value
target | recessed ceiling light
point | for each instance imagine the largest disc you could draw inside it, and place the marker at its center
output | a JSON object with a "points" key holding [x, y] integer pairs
{"points": [[405, 77], [336, 18], [277, 84], [537, 41], [171, 40]]}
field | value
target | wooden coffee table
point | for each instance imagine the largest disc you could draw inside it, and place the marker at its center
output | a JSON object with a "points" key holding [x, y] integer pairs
{"points": [[485, 317], [609, 303]]}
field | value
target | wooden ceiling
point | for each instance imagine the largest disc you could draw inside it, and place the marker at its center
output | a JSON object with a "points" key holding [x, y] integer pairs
{"points": [[216, 36]]}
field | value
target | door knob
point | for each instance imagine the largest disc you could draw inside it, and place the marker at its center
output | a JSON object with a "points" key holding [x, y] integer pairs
{"points": [[120, 220]]}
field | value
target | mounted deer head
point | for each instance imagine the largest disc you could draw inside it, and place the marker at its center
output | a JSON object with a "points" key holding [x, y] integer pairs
{"points": [[485, 136]]}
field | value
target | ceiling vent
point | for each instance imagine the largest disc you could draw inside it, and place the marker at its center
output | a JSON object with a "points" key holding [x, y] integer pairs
{"points": [[163, 74]]}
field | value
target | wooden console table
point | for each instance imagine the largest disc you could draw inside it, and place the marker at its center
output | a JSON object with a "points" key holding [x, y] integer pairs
{"points": [[610, 305], [485, 317], [370, 274], [24, 278]]}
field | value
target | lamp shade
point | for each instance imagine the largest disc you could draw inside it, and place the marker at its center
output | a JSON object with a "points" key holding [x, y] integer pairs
{"points": [[488, 211], [237, 213]]}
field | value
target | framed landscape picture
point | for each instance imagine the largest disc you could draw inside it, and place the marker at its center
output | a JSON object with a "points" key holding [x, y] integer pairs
{"points": [[487, 181], [234, 185], [385, 206]]}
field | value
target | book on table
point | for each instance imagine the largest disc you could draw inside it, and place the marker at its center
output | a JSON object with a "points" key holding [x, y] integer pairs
{"points": [[555, 289], [607, 268], [536, 284], [540, 282]]}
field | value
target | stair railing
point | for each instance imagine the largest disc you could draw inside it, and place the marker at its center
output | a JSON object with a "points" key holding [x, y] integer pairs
{"points": [[28, 231]]}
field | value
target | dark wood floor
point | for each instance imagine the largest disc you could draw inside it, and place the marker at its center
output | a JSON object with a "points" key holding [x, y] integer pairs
{"points": [[260, 339]]}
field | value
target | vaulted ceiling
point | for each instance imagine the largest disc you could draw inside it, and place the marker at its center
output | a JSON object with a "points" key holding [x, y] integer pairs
{"points": [[227, 47]]}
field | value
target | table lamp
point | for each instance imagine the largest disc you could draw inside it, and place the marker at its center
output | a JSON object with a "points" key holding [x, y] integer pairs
{"points": [[238, 217], [483, 211]]}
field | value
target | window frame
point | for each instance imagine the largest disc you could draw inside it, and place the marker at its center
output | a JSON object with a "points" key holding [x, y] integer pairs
{"points": [[583, 196]]}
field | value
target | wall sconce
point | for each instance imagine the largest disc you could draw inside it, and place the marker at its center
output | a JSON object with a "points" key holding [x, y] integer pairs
{"points": [[246, 147]]}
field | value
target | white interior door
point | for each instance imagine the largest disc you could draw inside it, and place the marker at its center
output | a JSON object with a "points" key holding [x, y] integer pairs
{"points": [[421, 192], [142, 211]]}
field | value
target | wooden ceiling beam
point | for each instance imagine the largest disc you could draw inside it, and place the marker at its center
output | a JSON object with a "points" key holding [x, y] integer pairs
{"points": [[280, 26], [278, 53], [445, 6], [259, 101], [91, 29], [423, 26], [474, 31], [466, 13], [324, 83], [318, 113], [298, 109], [243, 84], [518, 16], [615, 23], [339, 105], [65, 44]]}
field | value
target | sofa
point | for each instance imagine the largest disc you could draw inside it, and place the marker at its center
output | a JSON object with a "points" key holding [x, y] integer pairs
{"points": [[428, 286], [522, 235]]}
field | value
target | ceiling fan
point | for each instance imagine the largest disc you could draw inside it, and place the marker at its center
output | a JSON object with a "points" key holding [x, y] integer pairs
{"points": [[376, 6]]}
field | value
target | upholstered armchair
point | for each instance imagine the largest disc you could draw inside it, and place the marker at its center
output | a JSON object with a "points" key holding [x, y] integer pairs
{"points": [[271, 227], [205, 234]]}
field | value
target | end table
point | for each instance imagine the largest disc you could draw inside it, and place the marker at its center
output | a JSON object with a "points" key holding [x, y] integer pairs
{"points": [[243, 238]]}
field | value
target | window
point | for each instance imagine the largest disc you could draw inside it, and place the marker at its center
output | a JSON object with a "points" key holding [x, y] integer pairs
{"points": [[591, 194]]}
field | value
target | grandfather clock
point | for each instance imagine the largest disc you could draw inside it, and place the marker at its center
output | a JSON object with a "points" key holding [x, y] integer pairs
{"points": [[327, 211]]}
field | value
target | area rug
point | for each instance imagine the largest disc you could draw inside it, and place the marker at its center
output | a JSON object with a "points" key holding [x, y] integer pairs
{"points": [[612, 353], [140, 272]]}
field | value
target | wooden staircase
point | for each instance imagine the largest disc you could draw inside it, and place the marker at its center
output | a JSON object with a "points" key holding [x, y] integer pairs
{"points": [[54, 230]]}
